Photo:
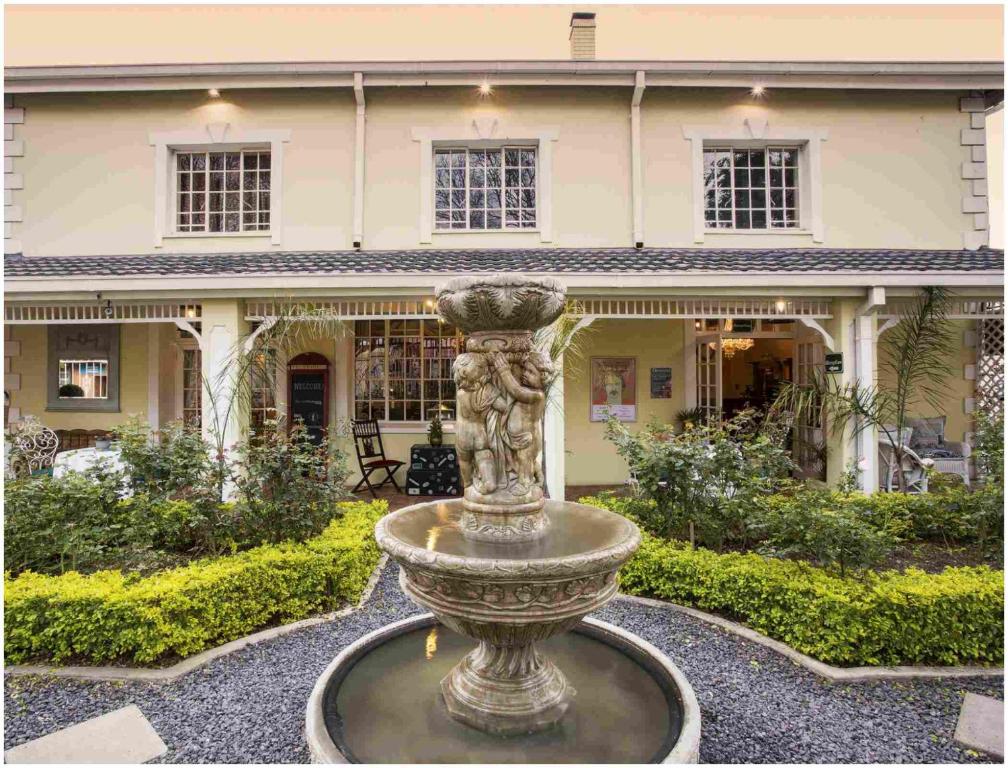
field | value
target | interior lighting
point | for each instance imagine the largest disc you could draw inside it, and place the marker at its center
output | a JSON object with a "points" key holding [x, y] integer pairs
{"points": [[485, 89], [757, 91], [781, 305], [213, 93]]}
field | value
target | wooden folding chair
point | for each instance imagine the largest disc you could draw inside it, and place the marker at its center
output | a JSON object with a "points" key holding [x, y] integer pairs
{"points": [[371, 456]]}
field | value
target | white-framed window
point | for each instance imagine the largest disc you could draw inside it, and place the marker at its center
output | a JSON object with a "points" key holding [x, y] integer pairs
{"points": [[192, 387], [83, 380], [756, 179], [751, 188], [485, 189], [262, 387], [222, 192], [403, 369]]}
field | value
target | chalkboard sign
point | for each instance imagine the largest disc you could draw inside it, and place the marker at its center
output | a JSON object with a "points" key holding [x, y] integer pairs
{"points": [[661, 383], [308, 401]]}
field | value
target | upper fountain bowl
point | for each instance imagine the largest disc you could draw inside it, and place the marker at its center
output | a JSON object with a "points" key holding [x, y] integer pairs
{"points": [[501, 302]]}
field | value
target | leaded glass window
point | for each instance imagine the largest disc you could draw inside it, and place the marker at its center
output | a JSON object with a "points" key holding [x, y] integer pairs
{"points": [[485, 189], [751, 188], [220, 192]]}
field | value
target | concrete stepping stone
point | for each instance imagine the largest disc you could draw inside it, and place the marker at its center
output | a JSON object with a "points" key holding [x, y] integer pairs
{"points": [[981, 724], [121, 736]]}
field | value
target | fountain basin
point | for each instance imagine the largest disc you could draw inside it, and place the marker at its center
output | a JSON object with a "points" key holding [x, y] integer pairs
{"points": [[508, 597], [378, 702]]}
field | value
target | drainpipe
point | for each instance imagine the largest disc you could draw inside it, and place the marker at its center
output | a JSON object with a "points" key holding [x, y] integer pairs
{"points": [[358, 211], [635, 161]]}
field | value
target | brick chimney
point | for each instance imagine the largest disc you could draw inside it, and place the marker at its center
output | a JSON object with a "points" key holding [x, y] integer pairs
{"points": [[582, 36]]}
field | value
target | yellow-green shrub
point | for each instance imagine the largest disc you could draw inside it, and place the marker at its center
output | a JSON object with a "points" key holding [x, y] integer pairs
{"points": [[889, 618], [179, 612], [954, 617]]}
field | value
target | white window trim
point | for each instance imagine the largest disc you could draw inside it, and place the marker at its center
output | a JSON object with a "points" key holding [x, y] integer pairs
{"points": [[808, 139], [474, 137], [210, 138]]}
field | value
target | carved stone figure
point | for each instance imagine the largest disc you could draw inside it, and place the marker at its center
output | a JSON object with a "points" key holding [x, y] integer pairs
{"points": [[500, 383]]}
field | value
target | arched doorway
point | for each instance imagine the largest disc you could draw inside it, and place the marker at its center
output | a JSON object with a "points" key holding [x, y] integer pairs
{"points": [[308, 393]]}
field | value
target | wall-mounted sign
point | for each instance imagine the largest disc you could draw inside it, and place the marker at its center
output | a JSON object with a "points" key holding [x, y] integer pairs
{"points": [[614, 388], [661, 383], [834, 362]]}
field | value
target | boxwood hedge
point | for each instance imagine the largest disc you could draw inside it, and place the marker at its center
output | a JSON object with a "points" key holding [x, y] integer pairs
{"points": [[111, 615], [913, 617]]}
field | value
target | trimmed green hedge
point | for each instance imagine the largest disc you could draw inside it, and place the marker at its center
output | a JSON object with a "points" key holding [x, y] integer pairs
{"points": [[955, 617], [114, 616]]}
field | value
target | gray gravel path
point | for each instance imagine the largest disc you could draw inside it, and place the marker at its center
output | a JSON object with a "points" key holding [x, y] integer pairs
{"points": [[758, 707]]}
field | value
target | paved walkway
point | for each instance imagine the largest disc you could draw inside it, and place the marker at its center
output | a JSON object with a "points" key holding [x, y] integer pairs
{"points": [[756, 706]]}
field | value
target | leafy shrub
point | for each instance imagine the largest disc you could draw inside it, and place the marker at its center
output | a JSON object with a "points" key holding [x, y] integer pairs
{"points": [[111, 616], [825, 528], [177, 464], [72, 523], [955, 617], [709, 475], [990, 448], [286, 484]]}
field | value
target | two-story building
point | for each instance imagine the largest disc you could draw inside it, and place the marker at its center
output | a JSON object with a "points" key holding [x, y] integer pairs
{"points": [[723, 226]]}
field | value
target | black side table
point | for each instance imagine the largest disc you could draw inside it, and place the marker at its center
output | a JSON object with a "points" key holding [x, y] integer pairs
{"points": [[433, 471]]}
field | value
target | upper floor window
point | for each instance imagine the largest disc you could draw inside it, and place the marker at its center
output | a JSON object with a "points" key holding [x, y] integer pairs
{"points": [[221, 192], [485, 189], [746, 188]]}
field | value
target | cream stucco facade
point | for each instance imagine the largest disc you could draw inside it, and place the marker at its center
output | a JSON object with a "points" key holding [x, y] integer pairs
{"points": [[892, 195]]}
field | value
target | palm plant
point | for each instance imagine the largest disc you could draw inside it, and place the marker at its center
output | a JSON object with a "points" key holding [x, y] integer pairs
{"points": [[560, 341], [914, 356]]}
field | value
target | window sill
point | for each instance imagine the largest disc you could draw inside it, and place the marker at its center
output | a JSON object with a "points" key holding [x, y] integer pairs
{"points": [[412, 427], [726, 231], [210, 235], [510, 231], [83, 408]]}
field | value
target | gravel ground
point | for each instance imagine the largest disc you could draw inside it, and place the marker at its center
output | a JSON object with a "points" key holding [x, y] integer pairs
{"points": [[757, 707]]}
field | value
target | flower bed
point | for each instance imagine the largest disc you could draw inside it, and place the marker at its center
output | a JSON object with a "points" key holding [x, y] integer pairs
{"points": [[109, 615], [955, 617]]}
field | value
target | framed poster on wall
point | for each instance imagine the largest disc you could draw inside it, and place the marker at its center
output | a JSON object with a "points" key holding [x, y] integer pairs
{"points": [[614, 388], [661, 383]]}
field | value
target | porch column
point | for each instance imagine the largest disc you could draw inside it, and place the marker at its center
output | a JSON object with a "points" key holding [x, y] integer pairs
{"points": [[553, 435], [223, 326], [840, 448], [865, 367]]}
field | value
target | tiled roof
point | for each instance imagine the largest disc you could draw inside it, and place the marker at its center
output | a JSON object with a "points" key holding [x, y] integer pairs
{"points": [[548, 260]]}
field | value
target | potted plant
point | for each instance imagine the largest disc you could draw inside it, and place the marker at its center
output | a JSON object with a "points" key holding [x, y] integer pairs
{"points": [[435, 431], [104, 442], [71, 390]]}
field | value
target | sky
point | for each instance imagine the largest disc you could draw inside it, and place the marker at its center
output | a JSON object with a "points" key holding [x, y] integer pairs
{"points": [[121, 34]]}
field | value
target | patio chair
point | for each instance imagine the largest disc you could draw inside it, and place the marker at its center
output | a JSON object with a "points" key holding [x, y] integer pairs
{"points": [[913, 468], [34, 448], [928, 442], [371, 456]]}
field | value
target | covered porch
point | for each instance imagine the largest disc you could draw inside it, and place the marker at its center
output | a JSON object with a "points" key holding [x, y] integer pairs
{"points": [[390, 359]]}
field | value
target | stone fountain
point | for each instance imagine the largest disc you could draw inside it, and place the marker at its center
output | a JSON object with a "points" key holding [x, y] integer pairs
{"points": [[514, 572]]}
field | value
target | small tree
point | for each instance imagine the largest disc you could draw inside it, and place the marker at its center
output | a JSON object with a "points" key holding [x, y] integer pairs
{"points": [[915, 355]]}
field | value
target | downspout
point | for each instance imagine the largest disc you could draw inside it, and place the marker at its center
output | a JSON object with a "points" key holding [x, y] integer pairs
{"points": [[358, 194], [637, 194]]}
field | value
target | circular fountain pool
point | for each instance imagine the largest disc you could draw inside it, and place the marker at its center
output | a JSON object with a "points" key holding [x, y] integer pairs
{"points": [[378, 702]]}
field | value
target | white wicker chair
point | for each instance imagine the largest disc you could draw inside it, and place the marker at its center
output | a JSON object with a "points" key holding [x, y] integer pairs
{"points": [[913, 468], [34, 447]]}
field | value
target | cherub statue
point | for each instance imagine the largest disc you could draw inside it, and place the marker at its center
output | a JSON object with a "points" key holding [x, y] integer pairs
{"points": [[522, 425], [476, 397]]}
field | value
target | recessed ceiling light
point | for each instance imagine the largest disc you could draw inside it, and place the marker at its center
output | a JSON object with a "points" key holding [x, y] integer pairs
{"points": [[213, 93], [757, 91], [485, 89]]}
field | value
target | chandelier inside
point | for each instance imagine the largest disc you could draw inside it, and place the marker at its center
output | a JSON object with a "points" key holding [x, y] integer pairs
{"points": [[730, 346]]}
